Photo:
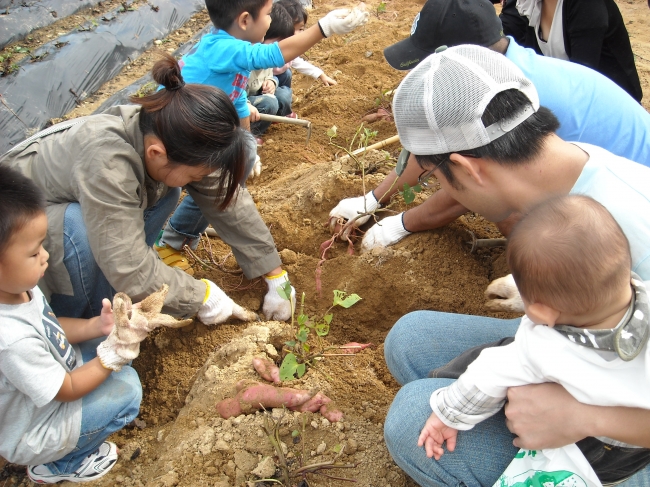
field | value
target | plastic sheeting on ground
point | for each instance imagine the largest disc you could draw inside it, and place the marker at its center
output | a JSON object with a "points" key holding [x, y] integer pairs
{"points": [[24, 17], [122, 97], [77, 64]]}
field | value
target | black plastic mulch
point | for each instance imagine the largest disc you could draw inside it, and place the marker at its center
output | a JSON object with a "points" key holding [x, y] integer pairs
{"points": [[64, 72], [19, 18]]}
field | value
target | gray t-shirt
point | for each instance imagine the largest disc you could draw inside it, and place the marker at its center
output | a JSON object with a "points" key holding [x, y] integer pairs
{"points": [[34, 358]]}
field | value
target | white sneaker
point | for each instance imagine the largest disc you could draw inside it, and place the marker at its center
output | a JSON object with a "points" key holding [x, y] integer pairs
{"points": [[94, 466]]}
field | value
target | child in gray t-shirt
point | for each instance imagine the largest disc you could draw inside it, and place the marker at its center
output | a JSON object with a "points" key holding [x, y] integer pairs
{"points": [[59, 402]]}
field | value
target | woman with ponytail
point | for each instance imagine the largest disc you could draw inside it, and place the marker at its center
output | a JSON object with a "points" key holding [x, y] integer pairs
{"points": [[111, 181]]}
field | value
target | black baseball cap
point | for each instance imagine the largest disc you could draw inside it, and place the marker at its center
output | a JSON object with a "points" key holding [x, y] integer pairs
{"points": [[445, 23]]}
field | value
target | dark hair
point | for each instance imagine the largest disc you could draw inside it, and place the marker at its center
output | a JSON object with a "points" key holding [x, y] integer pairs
{"points": [[281, 23], [197, 124], [20, 200], [224, 12], [295, 9], [518, 146], [569, 253]]}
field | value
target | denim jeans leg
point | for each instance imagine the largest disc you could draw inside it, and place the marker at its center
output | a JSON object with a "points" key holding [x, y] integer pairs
{"points": [[285, 78], [424, 340], [185, 225], [156, 216], [639, 479], [89, 284], [267, 104], [107, 409], [283, 94], [481, 454]]}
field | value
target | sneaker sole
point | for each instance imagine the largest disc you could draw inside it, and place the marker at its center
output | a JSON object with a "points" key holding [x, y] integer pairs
{"points": [[107, 462]]}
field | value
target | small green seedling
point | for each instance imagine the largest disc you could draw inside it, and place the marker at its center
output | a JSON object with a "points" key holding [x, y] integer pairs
{"points": [[294, 365], [408, 193], [381, 8]]}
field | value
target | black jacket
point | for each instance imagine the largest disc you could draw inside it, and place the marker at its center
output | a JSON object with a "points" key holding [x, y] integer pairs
{"points": [[594, 35]]}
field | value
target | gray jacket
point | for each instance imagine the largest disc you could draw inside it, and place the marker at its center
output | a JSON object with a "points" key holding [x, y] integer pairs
{"points": [[98, 161]]}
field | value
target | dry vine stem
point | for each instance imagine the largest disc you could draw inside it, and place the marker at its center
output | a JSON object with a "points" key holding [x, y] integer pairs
{"points": [[272, 430]]}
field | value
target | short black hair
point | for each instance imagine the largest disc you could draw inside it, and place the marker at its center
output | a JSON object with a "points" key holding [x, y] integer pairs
{"points": [[224, 12], [20, 200], [295, 9], [519, 146], [281, 23]]}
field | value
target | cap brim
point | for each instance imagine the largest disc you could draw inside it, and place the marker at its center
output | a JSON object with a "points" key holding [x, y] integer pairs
{"points": [[404, 55]]}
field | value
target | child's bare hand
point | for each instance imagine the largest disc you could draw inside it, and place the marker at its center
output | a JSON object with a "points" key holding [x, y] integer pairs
{"points": [[255, 114], [106, 318], [327, 81], [268, 87], [434, 434]]}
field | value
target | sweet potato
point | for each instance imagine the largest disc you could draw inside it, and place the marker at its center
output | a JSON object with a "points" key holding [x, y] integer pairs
{"points": [[354, 347], [314, 404], [267, 369], [254, 395], [330, 412]]}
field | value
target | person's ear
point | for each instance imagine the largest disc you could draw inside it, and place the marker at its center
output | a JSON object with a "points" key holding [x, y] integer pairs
{"points": [[155, 152], [243, 20], [470, 166], [541, 314]]}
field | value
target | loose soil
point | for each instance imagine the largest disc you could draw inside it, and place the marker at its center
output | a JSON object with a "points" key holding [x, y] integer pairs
{"points": [[182, 441]]}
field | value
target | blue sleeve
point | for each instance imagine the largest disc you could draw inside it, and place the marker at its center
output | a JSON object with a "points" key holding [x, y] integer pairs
{"points": [[241, 105], [257, 56]]}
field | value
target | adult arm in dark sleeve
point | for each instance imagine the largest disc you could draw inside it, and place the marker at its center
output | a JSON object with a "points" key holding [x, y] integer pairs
{"points": [[585, 24]]}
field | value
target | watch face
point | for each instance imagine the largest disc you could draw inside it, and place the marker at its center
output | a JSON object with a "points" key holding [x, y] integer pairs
{"points": [[401, 161]]}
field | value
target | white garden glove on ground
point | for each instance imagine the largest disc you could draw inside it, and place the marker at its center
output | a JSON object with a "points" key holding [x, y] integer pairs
{"points": [[503, 295], [342, 21], [218, 307], [275, 306], [257, 168], [132, 325], [387, 232], [351, 207]]}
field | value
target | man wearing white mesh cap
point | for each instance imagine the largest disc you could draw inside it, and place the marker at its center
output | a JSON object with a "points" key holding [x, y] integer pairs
{"points": [[474, 122], [590, 107]]}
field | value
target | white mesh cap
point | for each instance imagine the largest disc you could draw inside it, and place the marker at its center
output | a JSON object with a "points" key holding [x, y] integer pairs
{"points": [[439, 104]]}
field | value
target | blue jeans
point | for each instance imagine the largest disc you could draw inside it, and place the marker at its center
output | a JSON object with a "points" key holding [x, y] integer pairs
{"points": [[187, 223], [107, 409], [89, 284], [277, 104], [284, 79], [424, 340]]}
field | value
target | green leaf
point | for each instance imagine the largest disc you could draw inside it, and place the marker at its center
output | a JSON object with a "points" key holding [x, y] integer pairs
{"points": [[331, 132], [300, 370], [285, 290], [302, 320], [328, 318], [408, 194], [302, 334], [322, 329], [417, 188], [337, 448], [288, 367], [295, 433], [345, 302], [305, 347], [292, 343]]}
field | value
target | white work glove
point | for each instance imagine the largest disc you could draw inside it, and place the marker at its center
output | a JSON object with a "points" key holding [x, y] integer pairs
{"points": [[257, 168], [217, 307], [342, 21], [132, 325], [275, 306], [351, 207], [503, 295], [387, 232]]}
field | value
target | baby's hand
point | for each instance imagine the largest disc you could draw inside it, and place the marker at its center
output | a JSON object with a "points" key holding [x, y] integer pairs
{"points": [[106, 318], [434, 434], [327, 81]]}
